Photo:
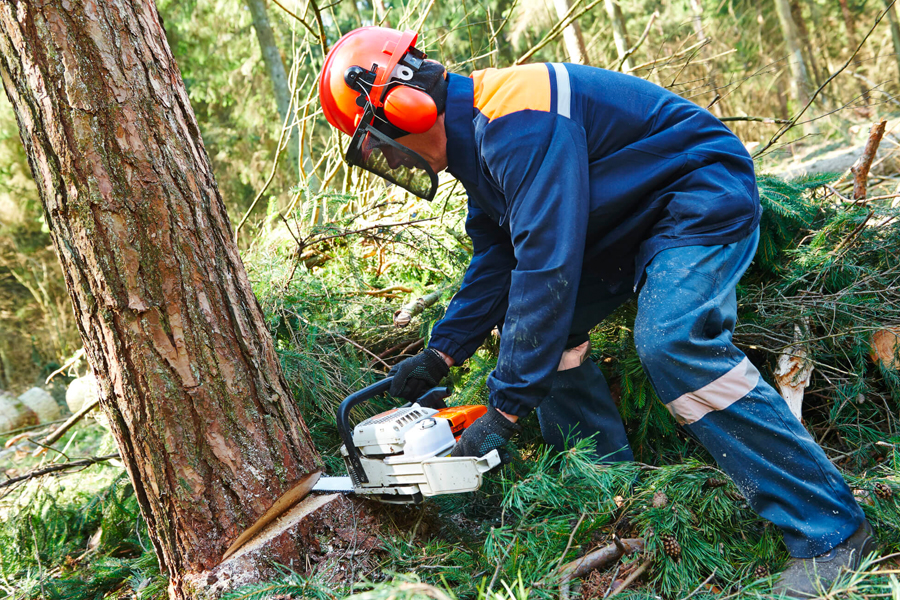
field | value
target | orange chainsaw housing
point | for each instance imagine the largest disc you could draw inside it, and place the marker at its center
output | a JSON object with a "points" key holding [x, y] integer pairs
{"points": [[461, 417]]}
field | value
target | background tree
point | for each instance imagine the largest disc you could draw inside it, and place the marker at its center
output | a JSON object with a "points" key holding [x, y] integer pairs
{"points": [[800, 83], [189, 378], [280, 84]]}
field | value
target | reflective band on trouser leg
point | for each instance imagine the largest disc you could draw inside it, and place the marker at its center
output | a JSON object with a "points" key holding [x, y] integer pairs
{"points": [[721, 393], [686, 316]]}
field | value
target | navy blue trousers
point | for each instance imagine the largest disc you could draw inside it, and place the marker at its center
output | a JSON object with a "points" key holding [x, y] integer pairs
{"points": [[683, 333]]}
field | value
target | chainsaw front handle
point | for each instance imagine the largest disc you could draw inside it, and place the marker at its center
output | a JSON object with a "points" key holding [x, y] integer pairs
{"points": [[433, 398], [346, 431]]}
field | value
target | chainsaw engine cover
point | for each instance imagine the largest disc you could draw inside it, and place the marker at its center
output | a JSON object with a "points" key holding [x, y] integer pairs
{"points": [[385, 433], [429, 437]]}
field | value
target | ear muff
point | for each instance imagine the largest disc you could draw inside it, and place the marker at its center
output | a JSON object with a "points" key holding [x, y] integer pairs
{"points": [[410, 109]]}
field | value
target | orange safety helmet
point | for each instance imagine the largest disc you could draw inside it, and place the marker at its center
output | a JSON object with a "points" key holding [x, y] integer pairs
{"points": [[390, 57], [376, 87]]}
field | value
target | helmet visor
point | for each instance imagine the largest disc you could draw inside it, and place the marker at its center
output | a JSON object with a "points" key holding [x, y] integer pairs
{"points": [[379, 154]]}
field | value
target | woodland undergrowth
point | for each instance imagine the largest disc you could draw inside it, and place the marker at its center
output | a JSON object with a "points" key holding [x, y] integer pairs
{"points": [[329, 285]]}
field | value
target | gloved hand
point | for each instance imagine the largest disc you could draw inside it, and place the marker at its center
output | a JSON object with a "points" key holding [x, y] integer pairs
{"points": [[491, 432], [415, 376]]}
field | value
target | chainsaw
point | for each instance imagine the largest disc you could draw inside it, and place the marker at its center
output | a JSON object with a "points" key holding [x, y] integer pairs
{"points": [[400, 456]]}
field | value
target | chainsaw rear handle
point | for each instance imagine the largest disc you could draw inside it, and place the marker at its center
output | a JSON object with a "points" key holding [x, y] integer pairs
{"points": [[433, 396]]}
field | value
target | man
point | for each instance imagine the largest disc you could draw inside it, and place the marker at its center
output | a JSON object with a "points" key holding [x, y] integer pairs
{"points": [[585, 188]]}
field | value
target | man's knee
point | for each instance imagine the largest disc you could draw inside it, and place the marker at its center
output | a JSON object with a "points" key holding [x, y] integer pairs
{"points": [[653, 343]]}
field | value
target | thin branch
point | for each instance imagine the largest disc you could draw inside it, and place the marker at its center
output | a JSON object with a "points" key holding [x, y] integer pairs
{"points": [[557, 29], [633, 576], [382, 226], [62, 429], [281, 146], [304, 23], [671, 57], [700, 587], [83, 462], [755, 120], [640, 41], [318, 13], [346, 339]]}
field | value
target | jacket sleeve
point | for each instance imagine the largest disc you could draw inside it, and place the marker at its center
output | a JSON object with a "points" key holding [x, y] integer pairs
{"points": [[540, 162], [481, 301]]}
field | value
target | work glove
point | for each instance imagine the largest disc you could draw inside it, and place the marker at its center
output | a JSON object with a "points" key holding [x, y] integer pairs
{"points": [[415, 376], [491, 432]]}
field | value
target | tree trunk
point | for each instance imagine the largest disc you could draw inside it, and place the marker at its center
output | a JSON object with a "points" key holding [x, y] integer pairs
{"points": [[187, 371], [799, 76], [797, 16], [275, 66], [852, 42], [572, 35], [895, 30], [620, 33]]}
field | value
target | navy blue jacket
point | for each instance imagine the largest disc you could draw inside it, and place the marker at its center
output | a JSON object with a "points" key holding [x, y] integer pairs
{"points": [[575, 172]]}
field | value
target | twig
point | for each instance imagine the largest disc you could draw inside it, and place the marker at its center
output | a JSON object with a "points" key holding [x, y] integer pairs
{"points": [[612, 581], [62, 429], [699, 587], [640, 41], [861, 172], [83, 462], [346, 339], [678, 54], [815, 95], [634, 575], [281, 145], [14, 432], [853, 234], [557, 29], [382, 226], [305, 24], [756, 120], [572, 537], [386, 291], [322, 41], [79, 354]]}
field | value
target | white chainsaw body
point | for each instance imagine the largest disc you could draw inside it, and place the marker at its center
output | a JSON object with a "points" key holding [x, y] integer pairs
{"points": [[404, 453]]}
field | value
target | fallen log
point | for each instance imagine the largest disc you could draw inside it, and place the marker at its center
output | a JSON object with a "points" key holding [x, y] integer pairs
{"points": [[594, 560], [403, 316]]}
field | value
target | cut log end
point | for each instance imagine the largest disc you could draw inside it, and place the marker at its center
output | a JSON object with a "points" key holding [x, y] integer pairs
{"points": [[281, 506], [317, 530]]}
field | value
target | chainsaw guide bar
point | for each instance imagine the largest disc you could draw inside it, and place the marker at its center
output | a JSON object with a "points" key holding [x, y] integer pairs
{"points": [[401, 455]]}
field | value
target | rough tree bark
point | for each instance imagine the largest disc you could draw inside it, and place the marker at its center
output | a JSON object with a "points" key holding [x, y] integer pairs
{"points": [[188, 375], [275, 66]]}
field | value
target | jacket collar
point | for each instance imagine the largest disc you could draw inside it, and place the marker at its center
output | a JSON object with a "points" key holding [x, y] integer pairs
{"points": [[460, 129]]}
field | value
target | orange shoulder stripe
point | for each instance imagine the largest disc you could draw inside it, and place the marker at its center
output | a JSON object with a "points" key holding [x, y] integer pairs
{"points": [[499, 92]]}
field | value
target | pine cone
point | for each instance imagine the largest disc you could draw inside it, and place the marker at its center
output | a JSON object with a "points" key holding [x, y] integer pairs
{"points": [[883, 491], [760, 571], [715, 482], [660, 500], [671, 546]]}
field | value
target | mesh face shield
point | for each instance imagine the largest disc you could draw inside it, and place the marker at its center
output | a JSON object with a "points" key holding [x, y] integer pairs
{"points": [[377, 153]]}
